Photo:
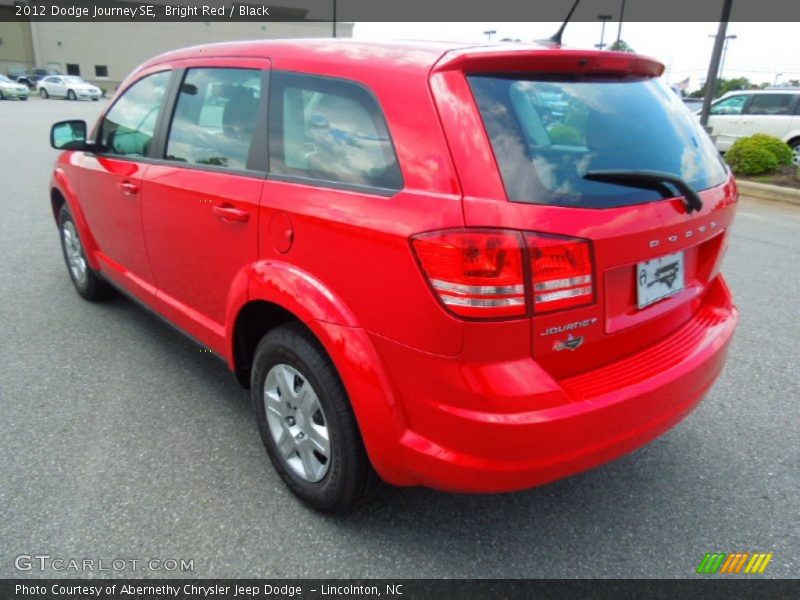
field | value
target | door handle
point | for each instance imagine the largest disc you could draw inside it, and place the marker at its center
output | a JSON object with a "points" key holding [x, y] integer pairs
{"points": [[230, 214], [128, 188]]}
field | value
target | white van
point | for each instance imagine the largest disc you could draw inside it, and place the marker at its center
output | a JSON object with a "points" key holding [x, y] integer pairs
{"points": [[773, 111]]}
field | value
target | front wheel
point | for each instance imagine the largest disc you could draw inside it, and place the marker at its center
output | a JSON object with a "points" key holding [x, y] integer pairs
{"points": [[307, 424], [43, 93], [795, 146], [71, 95], [87, 283]]}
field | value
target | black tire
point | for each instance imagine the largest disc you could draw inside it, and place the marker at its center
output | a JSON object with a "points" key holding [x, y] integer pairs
{"points": [[1, 95], [24, 98], [71, 95], [350, 479], [43, 93], [91, 287]]}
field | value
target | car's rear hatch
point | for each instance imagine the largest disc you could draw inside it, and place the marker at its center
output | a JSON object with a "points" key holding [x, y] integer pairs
{"points": [[580, 139]]}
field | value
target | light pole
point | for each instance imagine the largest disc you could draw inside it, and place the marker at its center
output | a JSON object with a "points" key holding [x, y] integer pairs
{"points": [[621, 16], [604, 19], [724, 51], [489, 33], [777, 75]]}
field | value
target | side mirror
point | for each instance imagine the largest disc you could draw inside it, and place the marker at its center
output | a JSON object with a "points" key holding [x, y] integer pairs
{"points": [[69, 135]]}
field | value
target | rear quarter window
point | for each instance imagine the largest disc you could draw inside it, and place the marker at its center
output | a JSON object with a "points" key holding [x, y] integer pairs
{"points": [[548, 132], [329, 130]]}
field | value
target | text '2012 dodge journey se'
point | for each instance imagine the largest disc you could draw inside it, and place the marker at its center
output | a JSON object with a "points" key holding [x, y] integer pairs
{"points": [[471, 268]]}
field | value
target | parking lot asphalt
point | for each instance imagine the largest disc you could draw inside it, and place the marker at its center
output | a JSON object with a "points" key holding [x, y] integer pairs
{"points": [[121, 439]]}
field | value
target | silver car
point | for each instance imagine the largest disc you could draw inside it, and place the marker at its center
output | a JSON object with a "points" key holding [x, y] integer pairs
{"points": [[11, 89], [69, 87]]}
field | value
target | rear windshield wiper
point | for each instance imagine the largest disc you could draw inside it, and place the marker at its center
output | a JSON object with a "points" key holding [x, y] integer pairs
{"points": [[653, 180]]}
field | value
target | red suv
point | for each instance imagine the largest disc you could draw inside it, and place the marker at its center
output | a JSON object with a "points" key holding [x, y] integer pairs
{"points": [[474, 268]]}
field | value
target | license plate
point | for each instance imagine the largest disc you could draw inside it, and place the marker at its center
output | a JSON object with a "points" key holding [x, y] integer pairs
{"points": [[659, 278]]}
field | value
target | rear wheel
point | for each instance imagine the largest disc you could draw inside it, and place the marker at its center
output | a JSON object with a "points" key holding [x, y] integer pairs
{"points": [[307, 424], [87, 283], [43, 93], [71, 95]]}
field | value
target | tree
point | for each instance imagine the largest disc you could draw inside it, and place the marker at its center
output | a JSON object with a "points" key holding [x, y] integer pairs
{"points": [[724, 86], [621, 46]]}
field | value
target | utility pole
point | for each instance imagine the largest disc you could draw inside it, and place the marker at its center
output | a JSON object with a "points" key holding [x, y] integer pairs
{"points": [[713, 67], [489, 33], [621, 16], [604, 19], [334, 18]]}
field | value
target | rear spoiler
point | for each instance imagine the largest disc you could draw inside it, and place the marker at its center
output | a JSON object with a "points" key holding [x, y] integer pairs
{"points": [[538, 59]]}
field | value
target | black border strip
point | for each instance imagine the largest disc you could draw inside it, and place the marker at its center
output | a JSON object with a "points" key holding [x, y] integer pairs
{"points": [[407, 10]]}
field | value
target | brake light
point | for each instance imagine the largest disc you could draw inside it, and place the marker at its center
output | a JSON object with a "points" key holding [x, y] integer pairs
{"points": [[561, 269], [475, 273], [481, 273]]}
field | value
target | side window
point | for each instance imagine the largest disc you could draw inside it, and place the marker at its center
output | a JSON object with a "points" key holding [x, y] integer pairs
{"points": [[729, 106], [329, 130], [215, 117], [797, 105], [129, 126], [769, 104]]}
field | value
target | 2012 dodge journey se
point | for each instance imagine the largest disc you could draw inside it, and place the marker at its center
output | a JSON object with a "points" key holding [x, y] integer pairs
{"points": [[474, 268]]}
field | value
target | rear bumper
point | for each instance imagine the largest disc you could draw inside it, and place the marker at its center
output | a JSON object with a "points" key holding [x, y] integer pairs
{"points": [[452, 443]]}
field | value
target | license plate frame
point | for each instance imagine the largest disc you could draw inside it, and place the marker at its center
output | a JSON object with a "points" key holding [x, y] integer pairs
{"points": [[660, 278]]}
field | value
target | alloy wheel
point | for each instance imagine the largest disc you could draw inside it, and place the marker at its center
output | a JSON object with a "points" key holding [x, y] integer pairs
{"points": [[297, 423], [74, 252]]}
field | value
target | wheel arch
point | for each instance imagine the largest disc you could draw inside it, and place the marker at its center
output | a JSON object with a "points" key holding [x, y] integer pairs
{"points": [[63, 192], [793, 138], [280, 293]]}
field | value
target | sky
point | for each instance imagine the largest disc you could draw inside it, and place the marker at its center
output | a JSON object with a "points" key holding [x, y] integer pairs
{"points": [[760, 52]]}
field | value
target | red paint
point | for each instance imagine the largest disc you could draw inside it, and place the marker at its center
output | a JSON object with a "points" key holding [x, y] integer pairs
{"points": [[443, 399]]}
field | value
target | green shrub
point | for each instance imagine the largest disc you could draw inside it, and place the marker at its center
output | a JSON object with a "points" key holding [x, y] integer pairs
{"points": [[750, 157], [779, 148]]}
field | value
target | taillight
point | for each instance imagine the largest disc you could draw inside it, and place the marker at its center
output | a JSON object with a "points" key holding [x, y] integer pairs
{"points": [[475, 273], [561, 269], [481, 273]]}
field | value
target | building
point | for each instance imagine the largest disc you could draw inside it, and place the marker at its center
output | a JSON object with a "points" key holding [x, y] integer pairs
{"points": [[104, 52]]}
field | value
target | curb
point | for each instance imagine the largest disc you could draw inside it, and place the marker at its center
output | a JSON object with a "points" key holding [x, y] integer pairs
{"points": [[766, 191]]}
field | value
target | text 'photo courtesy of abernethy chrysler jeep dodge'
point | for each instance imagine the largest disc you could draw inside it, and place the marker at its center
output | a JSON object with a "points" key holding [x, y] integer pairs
{"points": [[472, 268]]}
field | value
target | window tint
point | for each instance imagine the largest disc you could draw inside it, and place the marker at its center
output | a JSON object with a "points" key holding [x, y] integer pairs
{"points": [[547, 133], [729, 106], [215, 117], [128, 127], [330, 130], [770, 104]]}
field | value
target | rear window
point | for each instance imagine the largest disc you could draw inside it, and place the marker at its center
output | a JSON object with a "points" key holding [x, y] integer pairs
{"points": [[548, 132]]}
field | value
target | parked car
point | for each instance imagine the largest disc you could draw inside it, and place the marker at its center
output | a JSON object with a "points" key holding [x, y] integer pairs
{"points": [[693, 104], [388, 249], [69, 87], [10, 89], [741, 114], [31, 79]]}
